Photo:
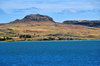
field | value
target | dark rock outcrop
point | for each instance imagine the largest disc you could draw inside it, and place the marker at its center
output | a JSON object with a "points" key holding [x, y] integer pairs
{"points": [[38, 17], [90, 23]]}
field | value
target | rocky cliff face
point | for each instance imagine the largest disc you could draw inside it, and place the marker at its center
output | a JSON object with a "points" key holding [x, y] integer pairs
{"points": [[38, 17]]}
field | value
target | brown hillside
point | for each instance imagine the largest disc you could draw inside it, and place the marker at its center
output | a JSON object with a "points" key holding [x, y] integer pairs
{"points": [[46, 29]]}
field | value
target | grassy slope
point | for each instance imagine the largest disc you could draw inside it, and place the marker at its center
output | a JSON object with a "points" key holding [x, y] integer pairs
{"points": [[45, 29]]}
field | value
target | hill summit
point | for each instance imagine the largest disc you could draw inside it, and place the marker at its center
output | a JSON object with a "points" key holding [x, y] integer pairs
{"points": [[38, 17], [35, 18]]}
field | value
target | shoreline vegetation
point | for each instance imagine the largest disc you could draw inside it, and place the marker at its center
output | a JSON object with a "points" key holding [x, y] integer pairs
{"points": [[35, 39], [36, 27], [41, 39]]}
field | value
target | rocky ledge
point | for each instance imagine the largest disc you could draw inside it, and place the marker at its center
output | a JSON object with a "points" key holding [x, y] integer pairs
{"points": [[38, 17]]}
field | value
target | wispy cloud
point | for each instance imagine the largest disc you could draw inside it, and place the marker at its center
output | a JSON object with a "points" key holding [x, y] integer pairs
{"points": [[48, 6], [76, 11], [32, 9], [2, 12]]}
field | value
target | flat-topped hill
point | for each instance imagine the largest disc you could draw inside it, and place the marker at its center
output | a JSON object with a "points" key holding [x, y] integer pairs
{"points": [[90, 23], [34, 18]]}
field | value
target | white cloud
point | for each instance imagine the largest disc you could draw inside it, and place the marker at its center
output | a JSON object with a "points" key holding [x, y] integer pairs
{"points": [[73, 11], [58, 6]]}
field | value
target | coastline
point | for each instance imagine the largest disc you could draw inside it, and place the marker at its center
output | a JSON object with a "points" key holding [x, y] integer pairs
{"points": [[50, 41]]}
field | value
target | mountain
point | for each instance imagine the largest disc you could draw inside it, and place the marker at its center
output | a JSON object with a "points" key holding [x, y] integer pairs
{"points": [[42, 27], [34, 18], [90, 23]]}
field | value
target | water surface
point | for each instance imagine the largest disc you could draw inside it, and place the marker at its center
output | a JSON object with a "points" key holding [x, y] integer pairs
{"points": [[50, 53]]}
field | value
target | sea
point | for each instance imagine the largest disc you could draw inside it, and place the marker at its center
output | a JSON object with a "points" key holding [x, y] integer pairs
{"points": [[50, 53]]}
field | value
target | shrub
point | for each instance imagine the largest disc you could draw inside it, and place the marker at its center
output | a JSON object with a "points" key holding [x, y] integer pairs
{"points": [[61, 38], [25, 36]]}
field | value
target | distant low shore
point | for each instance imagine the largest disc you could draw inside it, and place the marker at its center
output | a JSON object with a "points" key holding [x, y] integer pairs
{"points": [[51, 41], [44, 40]]}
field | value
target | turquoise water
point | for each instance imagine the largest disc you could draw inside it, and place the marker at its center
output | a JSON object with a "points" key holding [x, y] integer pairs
{"points": [[50, 53]]}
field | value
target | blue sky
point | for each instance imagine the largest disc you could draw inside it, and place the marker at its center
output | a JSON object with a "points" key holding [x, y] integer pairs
{"points": [[59, 10]]}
